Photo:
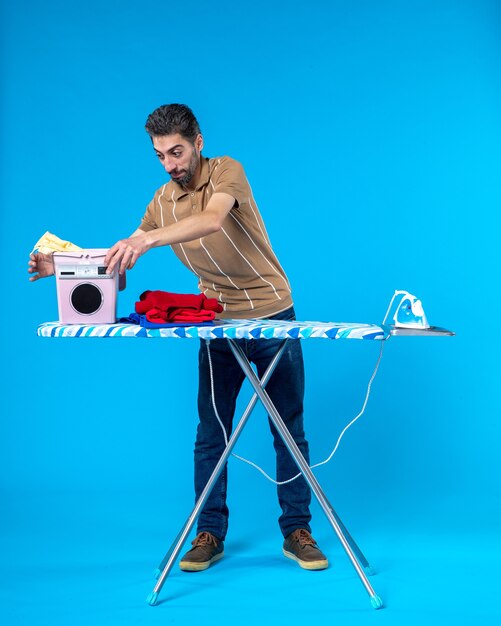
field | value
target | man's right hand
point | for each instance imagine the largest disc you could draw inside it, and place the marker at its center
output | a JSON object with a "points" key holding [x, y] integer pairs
{"points": [[41, 265]]}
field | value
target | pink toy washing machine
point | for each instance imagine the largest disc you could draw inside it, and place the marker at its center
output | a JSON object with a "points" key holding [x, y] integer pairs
{"points": [[86, 294]]}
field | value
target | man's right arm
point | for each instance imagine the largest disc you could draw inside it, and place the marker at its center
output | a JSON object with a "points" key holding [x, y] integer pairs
{"points": [[41, 265]]}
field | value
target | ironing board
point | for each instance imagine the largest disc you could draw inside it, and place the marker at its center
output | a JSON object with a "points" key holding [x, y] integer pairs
{"points": [[232, 330]]}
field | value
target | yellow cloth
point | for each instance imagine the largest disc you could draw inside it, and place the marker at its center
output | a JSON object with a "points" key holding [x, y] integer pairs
{"points": [[49, 243]]}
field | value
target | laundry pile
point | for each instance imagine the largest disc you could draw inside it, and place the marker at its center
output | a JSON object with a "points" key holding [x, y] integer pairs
{"points": [[162, 306]]}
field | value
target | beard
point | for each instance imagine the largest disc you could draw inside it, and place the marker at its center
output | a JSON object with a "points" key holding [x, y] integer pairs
{"points": [[189, 172]]}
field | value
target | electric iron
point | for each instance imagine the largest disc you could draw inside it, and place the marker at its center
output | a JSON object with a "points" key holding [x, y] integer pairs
{"points": [[409, 312]]}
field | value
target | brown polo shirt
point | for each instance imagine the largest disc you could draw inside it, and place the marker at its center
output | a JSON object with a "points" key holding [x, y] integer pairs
{"points": [[236, 265]]}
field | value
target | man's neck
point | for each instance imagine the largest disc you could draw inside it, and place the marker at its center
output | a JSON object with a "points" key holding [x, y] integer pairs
{"points": [[192, 185]]}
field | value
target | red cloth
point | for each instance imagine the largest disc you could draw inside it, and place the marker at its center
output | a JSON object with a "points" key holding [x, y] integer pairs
{"points": [[162, 306]]}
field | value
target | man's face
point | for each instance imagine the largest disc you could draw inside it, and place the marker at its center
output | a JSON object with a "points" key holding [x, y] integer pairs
{"points": [[179, 157]]}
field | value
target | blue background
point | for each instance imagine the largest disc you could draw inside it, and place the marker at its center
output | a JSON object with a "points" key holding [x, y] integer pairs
{"points": [[370, 132]]}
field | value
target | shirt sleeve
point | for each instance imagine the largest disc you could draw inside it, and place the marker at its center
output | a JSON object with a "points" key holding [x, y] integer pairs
{"points": [[149, 222], [229, 177]]}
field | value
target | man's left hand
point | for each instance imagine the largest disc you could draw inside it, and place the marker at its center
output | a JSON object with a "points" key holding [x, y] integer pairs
{"points": [[125, 253]]}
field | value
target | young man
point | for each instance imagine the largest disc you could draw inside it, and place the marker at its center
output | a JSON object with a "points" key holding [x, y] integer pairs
{"points": [[207, 213]]}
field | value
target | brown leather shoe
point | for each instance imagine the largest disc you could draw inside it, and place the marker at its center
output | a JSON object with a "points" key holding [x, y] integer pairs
{"points": [[302, 548], [206, 550]]}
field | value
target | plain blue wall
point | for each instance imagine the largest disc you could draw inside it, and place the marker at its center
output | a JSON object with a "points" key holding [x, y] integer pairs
{"points": [[370, 133]]}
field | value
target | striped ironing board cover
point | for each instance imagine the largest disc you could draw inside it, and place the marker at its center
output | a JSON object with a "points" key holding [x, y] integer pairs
{"points": [[227, 329]]}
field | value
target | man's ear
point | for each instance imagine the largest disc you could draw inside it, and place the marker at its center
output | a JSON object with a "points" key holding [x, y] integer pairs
{"points": [[199, 142]]}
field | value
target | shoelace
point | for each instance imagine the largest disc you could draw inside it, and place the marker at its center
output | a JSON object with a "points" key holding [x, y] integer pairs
{"points": [[204, 539], [304, 538]]}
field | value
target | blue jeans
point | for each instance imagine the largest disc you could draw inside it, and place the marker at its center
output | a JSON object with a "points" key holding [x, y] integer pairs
{"points": [[286, 390]]}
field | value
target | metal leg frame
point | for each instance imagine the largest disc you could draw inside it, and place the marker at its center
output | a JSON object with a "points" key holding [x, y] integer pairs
{"points": [[304, 467], [168, 561], [345, 538]]}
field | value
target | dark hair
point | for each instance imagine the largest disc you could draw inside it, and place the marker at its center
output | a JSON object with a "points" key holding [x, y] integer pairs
{"points": [[170, 119]]}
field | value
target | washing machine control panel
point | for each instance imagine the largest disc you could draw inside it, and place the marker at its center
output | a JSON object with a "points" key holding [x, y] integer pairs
{"points": [[83, 271]]}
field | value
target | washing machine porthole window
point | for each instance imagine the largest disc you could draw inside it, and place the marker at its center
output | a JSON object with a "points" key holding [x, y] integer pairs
{"points": [[86, 298]]}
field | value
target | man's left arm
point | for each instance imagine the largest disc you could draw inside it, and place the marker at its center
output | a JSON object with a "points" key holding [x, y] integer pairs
{"points": [[126, 252]]}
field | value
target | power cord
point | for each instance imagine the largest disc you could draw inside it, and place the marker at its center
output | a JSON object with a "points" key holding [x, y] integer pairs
{"points": [[251, 463]]}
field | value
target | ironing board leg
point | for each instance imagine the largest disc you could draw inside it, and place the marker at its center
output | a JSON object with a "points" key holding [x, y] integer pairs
{"points": [[168, 561], [369, 570], [303, 466]]}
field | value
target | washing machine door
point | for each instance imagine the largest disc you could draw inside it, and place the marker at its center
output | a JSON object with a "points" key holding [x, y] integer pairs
{"points": [[86, 298]]}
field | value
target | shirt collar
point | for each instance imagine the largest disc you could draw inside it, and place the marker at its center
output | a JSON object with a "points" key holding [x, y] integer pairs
{"points": [[180, 192]]}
